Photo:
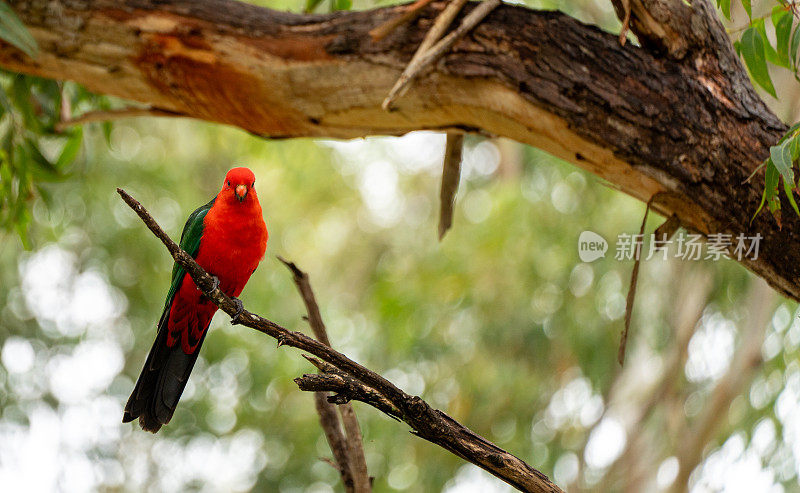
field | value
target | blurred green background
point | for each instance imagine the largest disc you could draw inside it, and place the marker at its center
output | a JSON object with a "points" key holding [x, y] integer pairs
{"points": [[501, 325]]}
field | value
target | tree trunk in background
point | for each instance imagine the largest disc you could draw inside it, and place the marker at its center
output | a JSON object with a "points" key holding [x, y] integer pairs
{"points": [[677, 116]]}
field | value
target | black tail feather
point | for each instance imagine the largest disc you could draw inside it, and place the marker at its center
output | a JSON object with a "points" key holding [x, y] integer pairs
{"points": [[161, 382]]}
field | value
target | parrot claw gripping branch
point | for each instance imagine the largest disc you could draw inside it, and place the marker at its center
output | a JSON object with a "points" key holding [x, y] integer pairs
{"points": [[239, 311], [357, 382]]}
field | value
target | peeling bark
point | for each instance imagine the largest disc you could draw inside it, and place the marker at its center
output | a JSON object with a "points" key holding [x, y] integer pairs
{"points": [[677, 116]]}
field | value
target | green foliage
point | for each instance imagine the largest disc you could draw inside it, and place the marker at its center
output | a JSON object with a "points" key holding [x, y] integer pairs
{"points": [[780, 167], [335, 5], [758, 53], [32, 153], [756, 47], [752, 50], [342, 4], [725, 7], [13, 31]]}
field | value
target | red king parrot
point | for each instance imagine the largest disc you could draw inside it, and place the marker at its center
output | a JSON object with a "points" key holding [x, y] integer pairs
{"points": [[228, 238]]}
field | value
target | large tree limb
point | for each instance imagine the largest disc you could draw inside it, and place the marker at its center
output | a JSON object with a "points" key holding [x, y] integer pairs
{"points": [[428, 423], [678, 115]]}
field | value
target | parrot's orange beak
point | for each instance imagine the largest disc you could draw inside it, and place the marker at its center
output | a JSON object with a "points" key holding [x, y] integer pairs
{"points": [[241, 192]]}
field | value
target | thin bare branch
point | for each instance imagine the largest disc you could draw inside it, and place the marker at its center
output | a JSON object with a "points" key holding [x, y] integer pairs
{"points": [[329, 421], [451, 174], [430, 55], [426, 422], [637, 246], [108, 115], [410, 13], [440, 25], [666, 231]]}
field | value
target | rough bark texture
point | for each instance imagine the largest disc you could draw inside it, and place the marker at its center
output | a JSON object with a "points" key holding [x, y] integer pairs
{"points": [[677, 115]]}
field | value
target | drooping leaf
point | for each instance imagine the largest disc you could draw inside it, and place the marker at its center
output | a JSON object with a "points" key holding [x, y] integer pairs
{"points": [[754, 58], [70, 150], [311, 5], [781, 156], [783, 30], [13, 31], [763, 197], [769, 52], [773, 202], [725, 7], [794, 43], [44, 170], [770, 188], [748, 8]]}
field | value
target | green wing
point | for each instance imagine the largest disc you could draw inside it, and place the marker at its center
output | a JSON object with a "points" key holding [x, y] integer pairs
{"points": [[190, 243]]}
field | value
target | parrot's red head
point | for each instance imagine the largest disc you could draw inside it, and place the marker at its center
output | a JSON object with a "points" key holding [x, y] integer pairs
{"points": [[239, 184]]}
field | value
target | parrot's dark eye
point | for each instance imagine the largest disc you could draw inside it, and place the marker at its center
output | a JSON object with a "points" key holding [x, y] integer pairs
{"points": [[229, 183], [253, 185]]}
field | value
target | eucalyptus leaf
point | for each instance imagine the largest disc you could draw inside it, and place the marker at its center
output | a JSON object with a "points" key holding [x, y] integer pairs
{"points": [[70, 150], [794, 43], [754, 58], [342, 4], [769, 191], [781, 156], [725, 7], [769, 52], [773, 203], [783, 30], [13, 31]]}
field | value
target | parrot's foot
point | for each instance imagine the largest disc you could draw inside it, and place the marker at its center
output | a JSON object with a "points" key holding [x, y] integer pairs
{"points": [[214, 285], [239, 311]]}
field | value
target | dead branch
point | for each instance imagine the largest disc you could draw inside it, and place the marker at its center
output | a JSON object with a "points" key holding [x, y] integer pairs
{"points": [[451, 174], [637, 246], [410, 13], [428, 53], [329, 421], [108, 115]]}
